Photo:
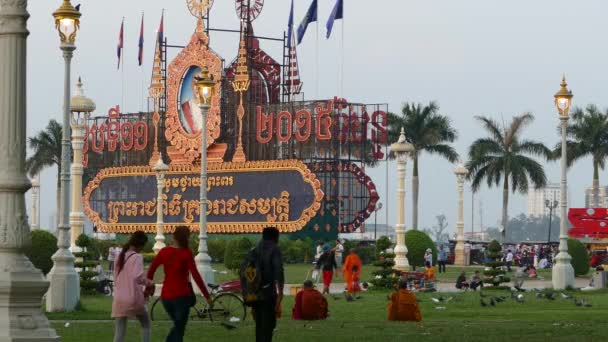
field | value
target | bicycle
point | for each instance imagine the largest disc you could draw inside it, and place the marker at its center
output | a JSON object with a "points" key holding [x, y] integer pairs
{"points": [[226, 306]]}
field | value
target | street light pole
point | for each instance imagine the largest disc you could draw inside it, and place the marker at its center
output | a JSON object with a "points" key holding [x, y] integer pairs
{"points": [[22, 286], [64, 292], [160, 168], [205, 85], [563, 273], [461, 172], [550, 205], [378, 207]]}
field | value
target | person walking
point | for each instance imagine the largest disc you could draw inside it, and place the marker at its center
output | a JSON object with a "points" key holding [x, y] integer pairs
{"points": [[442, 258], [509, 260], [129, 283], [428, 256], [327, 263], [177, 294], [111, 257], [339, 251], [352, 274], [267, 310]]}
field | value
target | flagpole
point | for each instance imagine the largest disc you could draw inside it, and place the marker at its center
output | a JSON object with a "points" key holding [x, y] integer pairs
{"points": [[122, 62], [317, 59], [342, 58]]}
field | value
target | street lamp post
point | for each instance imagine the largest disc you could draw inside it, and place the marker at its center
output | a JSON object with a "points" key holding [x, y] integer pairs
{"points": [[563, 273], [550, 205], [205, 88], [461, 172], [378, 207], [36, 203], [22, 286], [81, 108], [64, 292], [401, 149], [160, 168]]}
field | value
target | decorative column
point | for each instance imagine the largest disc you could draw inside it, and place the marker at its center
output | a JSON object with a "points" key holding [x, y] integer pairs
{"points": [[21, 284], [563, 272], [81, 108], [240, 85], [205, 86], [160, 168], [461, 173], [64, 292], [36, 203], [401, 149]]}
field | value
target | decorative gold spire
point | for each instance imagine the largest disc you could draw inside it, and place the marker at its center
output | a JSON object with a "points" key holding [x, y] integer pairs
{"points": [[240, 85], [156, 91]]}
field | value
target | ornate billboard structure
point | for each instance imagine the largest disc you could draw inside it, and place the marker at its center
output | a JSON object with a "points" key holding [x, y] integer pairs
{"points": [[297, 165]]}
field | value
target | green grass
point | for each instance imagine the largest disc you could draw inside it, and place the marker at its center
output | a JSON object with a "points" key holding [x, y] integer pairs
{"points": [[365, 320]]}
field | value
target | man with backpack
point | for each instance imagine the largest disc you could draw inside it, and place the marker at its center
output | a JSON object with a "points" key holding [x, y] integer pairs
{"points": [[262, 282]]}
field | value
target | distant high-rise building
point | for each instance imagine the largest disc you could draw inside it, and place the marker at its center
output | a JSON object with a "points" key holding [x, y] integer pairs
{"points": [[602, 198], [538, 197]]}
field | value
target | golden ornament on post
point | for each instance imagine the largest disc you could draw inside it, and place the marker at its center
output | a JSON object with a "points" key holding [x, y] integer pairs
{"points": [[204, 86], [67, 22], [563, 98]]}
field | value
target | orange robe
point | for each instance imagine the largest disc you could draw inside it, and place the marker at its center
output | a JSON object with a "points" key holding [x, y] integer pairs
{"points": [[403, 307], [352, 272], [310, 306], [429, 274]]}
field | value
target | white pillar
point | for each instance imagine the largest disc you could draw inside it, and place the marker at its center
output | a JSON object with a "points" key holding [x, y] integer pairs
{"points": [[460, 258], [21, 284], [77, 215], [401, 149], [160, 167], [36, 203], [563, 272], [64, 292], [203, 260]]}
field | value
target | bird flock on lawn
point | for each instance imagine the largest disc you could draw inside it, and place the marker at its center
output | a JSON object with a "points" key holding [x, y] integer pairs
{"points": [[518, 297]]}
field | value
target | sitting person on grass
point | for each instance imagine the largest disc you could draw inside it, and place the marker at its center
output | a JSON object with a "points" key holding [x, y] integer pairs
{"points": [[461, 281], [310, 304], [429, 277], [403, 305], [476, 281], [531, 270]]}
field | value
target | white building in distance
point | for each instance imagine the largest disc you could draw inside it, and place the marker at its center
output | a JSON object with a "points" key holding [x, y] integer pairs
{"points": [[538, 197], [603, 199]]}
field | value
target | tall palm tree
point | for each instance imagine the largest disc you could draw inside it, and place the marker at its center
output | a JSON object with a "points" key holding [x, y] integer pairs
{"points": [[505, 155], [428, 131], [46, 145], [588, 136]]}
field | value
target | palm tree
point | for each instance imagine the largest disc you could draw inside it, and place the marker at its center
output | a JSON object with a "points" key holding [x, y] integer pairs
{"points": [[589, 137], [47, 152], [504, 155], [428, 131]]}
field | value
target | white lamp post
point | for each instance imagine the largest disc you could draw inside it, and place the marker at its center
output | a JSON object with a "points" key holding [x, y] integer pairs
{"points": [[401, 149], [36, 203], [205, 87], [461, 172], [160, 168], [64, 292], [563, 272], [81, 108], [21, 284]]}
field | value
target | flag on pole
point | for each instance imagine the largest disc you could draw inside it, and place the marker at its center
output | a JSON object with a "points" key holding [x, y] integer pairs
{"points": [[140, 55], [161, 29], [290, 26], [120, 41], [336, 13], [311, 17]]}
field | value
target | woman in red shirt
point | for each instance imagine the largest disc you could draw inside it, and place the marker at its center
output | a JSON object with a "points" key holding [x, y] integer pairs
{"points": [[176, 294]]}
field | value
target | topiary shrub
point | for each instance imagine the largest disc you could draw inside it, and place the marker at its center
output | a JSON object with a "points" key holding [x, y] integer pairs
{"points": [[417, 242], [494, 274], [44, 245], [382, 244], [236, 249], [385, 277], [580, 258], [217, 249], [88, 284]]}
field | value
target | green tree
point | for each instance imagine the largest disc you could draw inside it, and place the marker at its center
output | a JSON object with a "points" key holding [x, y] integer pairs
{"points": [[44, 245], [417, 242], [588, 136], [428, 131], [494, 274], [46, 146], [504, 156]]}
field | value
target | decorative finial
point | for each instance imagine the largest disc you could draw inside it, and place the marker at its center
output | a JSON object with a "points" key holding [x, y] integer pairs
{"points": [[402, 136], [564, 84]]}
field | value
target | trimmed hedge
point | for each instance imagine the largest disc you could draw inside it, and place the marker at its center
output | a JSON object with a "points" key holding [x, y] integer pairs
{"points": [[417, 242], [236, 250], [494, 274], [580, 258], [44, 245]]}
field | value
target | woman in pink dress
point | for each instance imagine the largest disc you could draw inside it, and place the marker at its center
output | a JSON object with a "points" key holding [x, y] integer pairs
{"points": [[129, 284]]}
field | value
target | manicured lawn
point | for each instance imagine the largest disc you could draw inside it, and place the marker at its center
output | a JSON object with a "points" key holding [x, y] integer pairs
{"points": [[365, 320]]}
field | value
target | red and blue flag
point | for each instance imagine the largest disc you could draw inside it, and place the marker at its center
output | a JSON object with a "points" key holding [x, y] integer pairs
{"points": [[120, 42], [140, 55]]}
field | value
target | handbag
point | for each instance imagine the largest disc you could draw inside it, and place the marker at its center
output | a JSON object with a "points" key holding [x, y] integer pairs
{"points": [[191, 296]]}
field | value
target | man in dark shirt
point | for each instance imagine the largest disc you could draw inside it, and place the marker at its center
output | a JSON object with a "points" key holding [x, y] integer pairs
{"points": [[266, 311]]}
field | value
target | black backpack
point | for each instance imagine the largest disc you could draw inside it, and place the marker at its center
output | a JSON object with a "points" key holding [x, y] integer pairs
{"points": [[251, 278]]}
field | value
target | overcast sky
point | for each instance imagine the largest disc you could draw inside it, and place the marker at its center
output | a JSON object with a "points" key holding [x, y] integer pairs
{"points": [[475, 57]]}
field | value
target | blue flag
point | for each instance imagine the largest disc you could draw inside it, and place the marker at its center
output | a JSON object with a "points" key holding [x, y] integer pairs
{"points": [[311, 17], [290, 27], [336, 13]]}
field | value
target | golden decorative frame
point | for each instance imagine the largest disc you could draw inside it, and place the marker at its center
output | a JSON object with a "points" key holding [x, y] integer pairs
{"points": [[217, 228], [196, 53]]}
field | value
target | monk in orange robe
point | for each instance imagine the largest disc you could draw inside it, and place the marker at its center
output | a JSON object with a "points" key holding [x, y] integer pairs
{"points": [[352, 272], [310, 304], [403, 305]]}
